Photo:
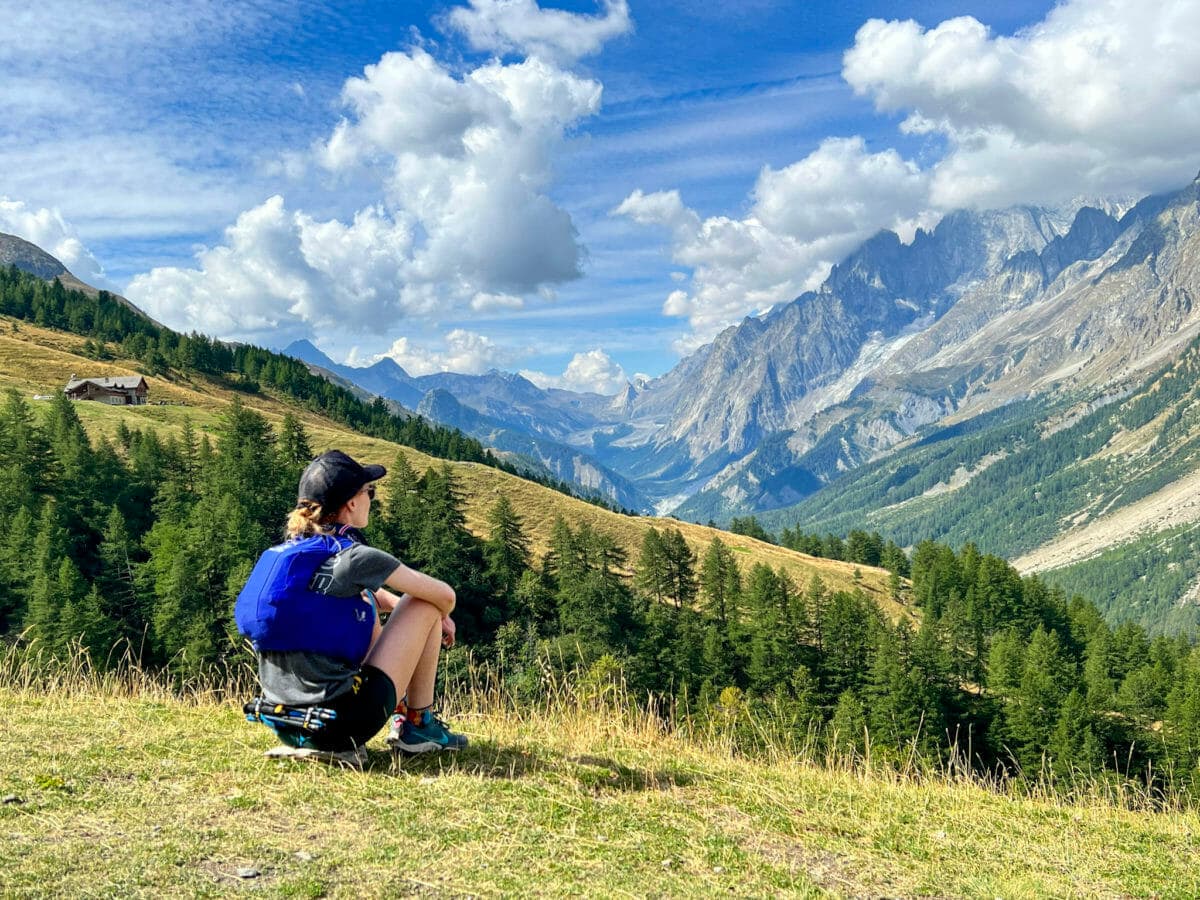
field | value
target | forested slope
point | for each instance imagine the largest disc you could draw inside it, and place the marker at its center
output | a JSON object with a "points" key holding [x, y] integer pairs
{"points": [[1028, 478]]}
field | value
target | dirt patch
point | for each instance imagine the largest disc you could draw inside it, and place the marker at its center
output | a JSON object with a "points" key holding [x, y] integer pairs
{"points": [[1176, 504], [827, 869]]}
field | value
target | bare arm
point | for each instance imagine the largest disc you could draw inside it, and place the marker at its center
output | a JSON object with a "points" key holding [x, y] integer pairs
{"points": [[423, 587], [385, 600]]}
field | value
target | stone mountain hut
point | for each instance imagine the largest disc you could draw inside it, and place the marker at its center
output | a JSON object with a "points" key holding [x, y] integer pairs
{"points": [[127, 390]]}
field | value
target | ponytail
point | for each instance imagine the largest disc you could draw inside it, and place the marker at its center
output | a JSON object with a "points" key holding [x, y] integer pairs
{"points": [[308, 519]]}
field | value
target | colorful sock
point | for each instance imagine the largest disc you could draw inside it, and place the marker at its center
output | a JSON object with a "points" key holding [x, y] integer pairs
{"points": [[417, 716], [402, 707]]}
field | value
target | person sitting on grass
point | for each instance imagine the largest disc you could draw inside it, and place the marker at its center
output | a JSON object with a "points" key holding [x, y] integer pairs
{"points": [[317, 632]]}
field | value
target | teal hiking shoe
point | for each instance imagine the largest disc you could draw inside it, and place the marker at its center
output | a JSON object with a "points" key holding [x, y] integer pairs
{"points": [[423, 732]]}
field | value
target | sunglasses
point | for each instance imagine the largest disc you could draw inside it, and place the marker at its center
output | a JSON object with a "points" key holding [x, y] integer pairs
{"points": [[370, 491]]}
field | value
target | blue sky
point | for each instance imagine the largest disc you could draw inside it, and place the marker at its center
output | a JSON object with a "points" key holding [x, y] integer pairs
{"points": [[581, 191]]}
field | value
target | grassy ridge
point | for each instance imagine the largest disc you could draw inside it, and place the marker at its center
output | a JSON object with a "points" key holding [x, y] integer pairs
{"points": [[36, 360], [125, 790]]}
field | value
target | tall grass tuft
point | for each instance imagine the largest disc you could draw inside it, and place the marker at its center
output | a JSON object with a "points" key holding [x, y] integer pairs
{"points": [[595, 705]]}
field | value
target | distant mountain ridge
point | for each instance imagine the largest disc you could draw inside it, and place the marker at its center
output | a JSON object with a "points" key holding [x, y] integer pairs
{"points": [[28, 257], [504, 410], [780, 404]]}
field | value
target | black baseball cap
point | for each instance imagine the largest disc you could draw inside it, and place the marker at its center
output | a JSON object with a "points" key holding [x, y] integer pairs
{"points": [[333, 478]]}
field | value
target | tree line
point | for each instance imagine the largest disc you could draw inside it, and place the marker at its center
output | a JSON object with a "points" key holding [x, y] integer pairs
{"points": [[160, 351], [144, 542]]}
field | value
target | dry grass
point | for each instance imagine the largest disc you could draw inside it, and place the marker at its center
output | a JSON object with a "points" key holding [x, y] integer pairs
{"points": [[39, 361], [122, 790]]}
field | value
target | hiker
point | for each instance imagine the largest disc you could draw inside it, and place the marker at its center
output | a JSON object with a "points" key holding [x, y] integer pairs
{"points": [[319, 642]]}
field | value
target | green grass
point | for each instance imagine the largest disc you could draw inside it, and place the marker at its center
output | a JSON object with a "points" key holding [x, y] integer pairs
{"points": [[125, 790]]}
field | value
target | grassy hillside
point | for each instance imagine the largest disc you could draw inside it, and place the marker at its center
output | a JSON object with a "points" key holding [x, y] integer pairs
{"points": [[1051, 485], [120, 789], [39, 361]]}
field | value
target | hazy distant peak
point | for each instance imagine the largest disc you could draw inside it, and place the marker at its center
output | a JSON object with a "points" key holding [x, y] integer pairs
{"points": [[29, 257]]}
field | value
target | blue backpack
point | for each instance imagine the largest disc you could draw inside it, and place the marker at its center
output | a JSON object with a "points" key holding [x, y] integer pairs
{"points": [[279, 610]]}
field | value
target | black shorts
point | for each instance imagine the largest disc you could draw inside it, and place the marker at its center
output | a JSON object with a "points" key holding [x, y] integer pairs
{"points": [[361, 712]]}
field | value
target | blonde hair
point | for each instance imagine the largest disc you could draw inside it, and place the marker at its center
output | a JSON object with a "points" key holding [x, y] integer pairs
{"points": [[307, 519]]}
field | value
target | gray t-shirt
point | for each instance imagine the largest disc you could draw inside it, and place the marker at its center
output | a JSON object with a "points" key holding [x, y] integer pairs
{"points": [[302, 679]]}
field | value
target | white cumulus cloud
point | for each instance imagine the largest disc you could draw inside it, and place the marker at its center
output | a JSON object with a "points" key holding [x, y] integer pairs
{"points": [[521, 26], [47, 229], [804, 218], [462, 164], [279, 274], [1098, 98], [463, 351], [591, 372]]}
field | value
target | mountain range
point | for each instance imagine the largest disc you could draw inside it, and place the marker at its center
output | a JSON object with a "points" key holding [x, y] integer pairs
{"points": [[911, 367], [919, 377], [984, 309]]}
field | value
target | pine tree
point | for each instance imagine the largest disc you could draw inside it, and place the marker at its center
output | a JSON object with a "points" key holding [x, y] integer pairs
{"points": [[1045, 681], [1006, 663], [1098, 682], [25, 460], [247, 455], [772, 653], [681, 569], [720, 664], [506, 549], [198, 569], [445, 549], [72, 475], [815, 600], [894, 560], [88, 624], [653, 570], [533, 601], [720, 584], [15, 553], [118, 596], [1143, 695], [49, 551], [400, 516], [997, 595], [563, 563], [846, 732], [894, 702], [1182, 728], [1075, 748], [846, 641], [294, 448], [936, 576]]}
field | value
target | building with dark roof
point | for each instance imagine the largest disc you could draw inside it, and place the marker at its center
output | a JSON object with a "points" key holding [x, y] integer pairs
{"points": [[123, 390]]}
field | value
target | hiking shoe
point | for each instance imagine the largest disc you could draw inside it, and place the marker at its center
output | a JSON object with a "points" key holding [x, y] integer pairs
{"points": [[425, 732], [354, 759], [395, 730]]}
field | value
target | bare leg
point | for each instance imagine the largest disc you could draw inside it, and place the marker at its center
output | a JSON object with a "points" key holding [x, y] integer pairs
{"points": [[376, 631], [401, 646], [420, 688]]}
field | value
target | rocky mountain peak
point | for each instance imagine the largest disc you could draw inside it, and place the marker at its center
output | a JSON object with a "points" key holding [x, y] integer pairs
{"points": [[27, 257]]}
